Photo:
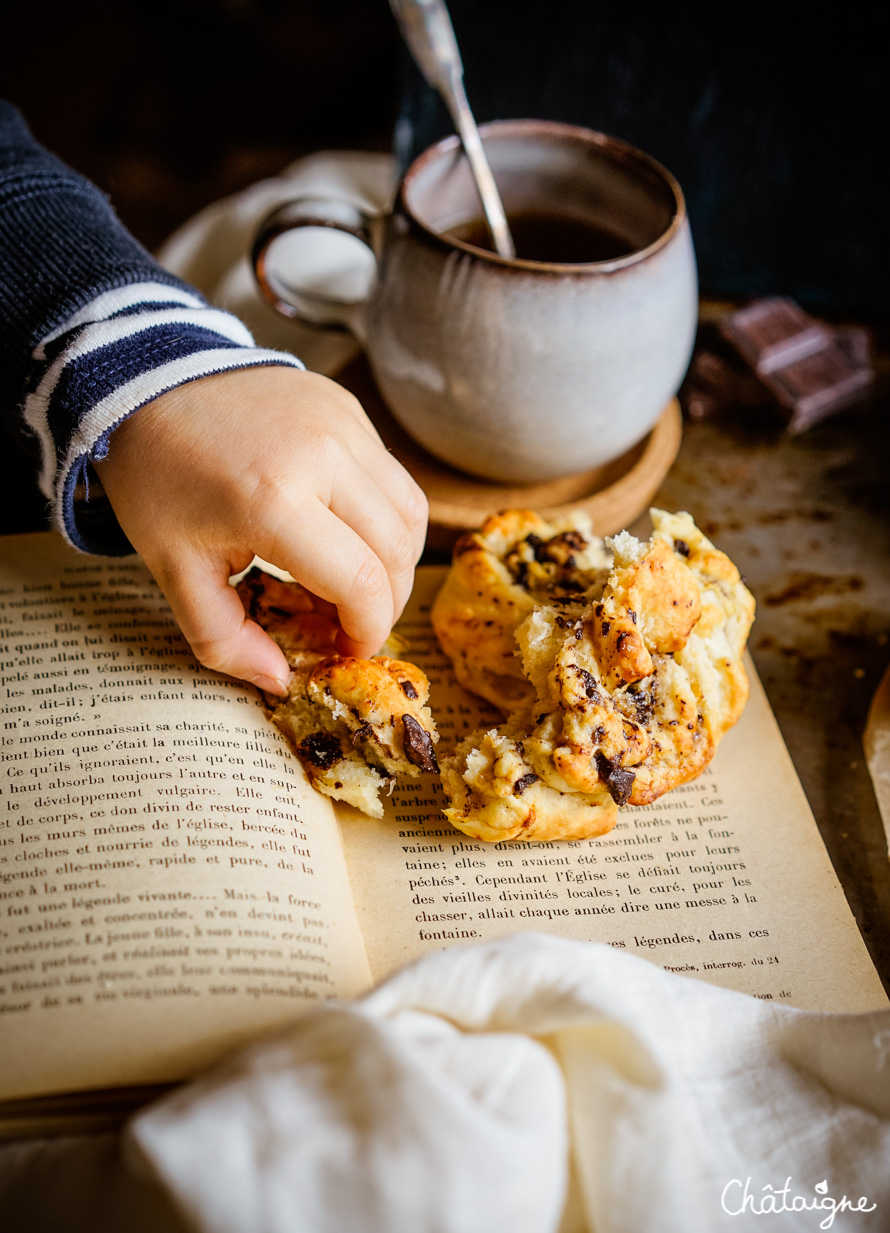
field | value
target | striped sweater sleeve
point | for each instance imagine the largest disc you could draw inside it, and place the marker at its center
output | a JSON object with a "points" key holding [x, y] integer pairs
{"points": [[91, 329], [123, 349]]}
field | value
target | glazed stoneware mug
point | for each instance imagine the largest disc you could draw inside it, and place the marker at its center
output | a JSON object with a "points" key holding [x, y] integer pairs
{"points": [[526, 369]]}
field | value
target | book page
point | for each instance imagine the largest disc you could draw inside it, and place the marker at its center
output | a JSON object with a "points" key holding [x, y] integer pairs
{"points": [[725, 879], [169, 883]]}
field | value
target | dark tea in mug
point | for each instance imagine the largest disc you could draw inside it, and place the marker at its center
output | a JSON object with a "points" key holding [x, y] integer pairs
{"points": [[548, 236]]}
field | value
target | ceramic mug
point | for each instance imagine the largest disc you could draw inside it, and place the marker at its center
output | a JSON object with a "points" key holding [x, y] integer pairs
{"points": [[528, 369]]}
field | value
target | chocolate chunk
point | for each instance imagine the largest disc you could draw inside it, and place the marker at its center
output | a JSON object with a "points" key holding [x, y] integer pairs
{"points": [[321, 749], [552, 552], [525, 781], [537, 546], [815, 386], [575, 540], [713, 386], [362, 733], [620, 784], [774, 332], [643, 704], [682, 548], [418, 745], [408, 689], [617, 779], [590, 686], [606, 627], [809, 368], [603, 764], [854, 341]]}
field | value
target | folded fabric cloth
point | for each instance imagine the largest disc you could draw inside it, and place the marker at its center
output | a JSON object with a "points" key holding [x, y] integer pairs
{"points": [[211, 251], [536, 1085]]}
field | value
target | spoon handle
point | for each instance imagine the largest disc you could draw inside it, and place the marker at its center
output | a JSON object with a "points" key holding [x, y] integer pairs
{"points": [[427, 30]]}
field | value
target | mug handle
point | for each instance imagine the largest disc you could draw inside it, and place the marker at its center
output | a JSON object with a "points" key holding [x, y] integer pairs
{"points": [[310, 305]]}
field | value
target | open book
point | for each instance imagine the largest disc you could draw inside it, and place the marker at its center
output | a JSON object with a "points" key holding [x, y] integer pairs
{"points": [[170, 886]]}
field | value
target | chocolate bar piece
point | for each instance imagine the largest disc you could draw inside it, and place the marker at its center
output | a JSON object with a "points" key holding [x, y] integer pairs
{"points": [[854, 341], [715, 385], [811, 369], [774, 332], [817, 385]]}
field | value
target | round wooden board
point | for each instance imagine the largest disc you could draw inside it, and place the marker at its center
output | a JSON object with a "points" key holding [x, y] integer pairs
{"points": [[613, 495]]}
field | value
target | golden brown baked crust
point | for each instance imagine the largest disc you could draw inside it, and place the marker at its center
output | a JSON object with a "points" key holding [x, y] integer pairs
{"points": [[630, 680], [355, 724], [498, 574]]}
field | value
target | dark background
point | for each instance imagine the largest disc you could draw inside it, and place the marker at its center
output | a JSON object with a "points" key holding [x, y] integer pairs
{"points": [[171, 104], [774, 121]]}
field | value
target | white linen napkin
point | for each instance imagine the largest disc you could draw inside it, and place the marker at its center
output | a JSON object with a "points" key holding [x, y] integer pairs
{"points": [[535, 1085], [211, 251]]}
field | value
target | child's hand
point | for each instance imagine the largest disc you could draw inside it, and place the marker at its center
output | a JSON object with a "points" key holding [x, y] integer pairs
{"points": [[275, 462]]}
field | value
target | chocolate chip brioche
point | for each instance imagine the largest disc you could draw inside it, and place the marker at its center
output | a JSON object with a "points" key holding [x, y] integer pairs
{"points": [[355, 724], [625, 671]]}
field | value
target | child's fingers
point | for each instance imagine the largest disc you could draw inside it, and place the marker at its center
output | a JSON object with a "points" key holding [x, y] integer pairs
{"points": [[357, 500], [212, 618], [400, 488], [330, 559]]}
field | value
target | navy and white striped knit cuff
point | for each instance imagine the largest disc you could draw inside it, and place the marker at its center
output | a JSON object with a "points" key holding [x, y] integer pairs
{"points": [[121, 351]]}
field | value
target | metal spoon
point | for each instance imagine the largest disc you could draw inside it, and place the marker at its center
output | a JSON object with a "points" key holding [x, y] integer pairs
{"points": [[426, 28]]}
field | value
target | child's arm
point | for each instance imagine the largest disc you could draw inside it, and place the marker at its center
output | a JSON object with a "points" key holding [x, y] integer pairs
{"points": [[218, 449], [275, 462]]}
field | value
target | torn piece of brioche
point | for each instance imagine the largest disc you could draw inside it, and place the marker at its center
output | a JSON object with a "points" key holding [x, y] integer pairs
{"points": [[497, 791], [630, 682], [355, 724], [497, 577]]}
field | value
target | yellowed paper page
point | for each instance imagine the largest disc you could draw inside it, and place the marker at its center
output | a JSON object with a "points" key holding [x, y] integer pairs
{"points": [[169, 884], [725, 879]]}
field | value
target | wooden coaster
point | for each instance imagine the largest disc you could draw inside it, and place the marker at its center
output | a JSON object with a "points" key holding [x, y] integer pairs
{"points": [[613, 494]]}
